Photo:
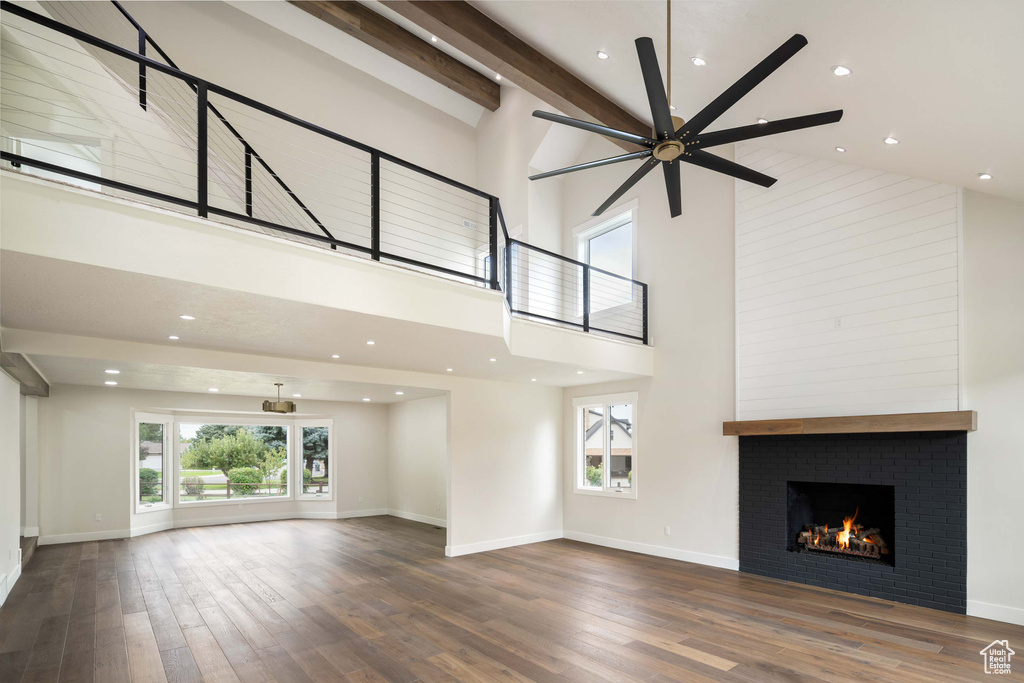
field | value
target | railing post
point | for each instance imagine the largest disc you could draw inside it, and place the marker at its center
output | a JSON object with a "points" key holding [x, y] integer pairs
{"points": [[228, 488], [248, 180], [586, 298], [375, 206], [202, 166], [644, 289], [494, 242], [509, 246], [142, 69]]}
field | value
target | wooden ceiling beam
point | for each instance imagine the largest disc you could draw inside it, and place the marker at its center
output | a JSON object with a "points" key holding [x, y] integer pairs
{"points": [[377, 31], [478, 36]]}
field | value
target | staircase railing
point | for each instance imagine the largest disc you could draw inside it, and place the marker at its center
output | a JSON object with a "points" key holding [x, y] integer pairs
{"points": [[60, 116]]}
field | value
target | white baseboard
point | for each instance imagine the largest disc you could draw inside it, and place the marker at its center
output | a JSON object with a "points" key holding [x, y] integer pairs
{"points": [[986, 610], [207, 521], [29, 531], [656, 550], [7, 582], [436, 521], [497, 544]]}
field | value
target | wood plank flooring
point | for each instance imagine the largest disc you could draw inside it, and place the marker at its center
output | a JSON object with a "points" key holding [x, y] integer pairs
{"points": [[374, 599]]}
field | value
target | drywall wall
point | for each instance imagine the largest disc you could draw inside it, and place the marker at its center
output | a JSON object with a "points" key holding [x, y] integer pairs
{"points": [[686, 471], [505, 487], [417, 460], [233, 49], [994, 386], [846, 290], [85, 458], [10, 478], [29, 436]]}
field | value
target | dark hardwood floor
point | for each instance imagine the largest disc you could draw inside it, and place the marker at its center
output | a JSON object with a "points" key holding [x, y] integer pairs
{"points": [[374, 599]]}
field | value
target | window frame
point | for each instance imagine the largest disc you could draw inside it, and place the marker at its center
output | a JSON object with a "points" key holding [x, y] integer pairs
{"points": [[167, 421], [627, 212], [605, 402], [297, 468]]}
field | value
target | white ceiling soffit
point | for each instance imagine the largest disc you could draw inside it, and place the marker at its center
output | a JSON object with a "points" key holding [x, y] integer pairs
{"points": [[941, 76], [154, 377], [354, 52]]}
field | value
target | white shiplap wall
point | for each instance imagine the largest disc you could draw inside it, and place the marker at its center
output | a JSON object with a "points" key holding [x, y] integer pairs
{"points": [[847, 290]]}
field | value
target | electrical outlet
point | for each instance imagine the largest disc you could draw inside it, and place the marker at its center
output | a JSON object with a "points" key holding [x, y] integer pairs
{"points": [[668, 531], [99, 517]]}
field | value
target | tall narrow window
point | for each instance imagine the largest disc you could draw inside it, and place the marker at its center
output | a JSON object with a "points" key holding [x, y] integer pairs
{"points": [[608, 248], [222, 462], [606, 444], [152, 451], [315, 460]]}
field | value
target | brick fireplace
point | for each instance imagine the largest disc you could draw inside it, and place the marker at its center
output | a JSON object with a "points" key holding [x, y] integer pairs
{"points": [[905, 490]]}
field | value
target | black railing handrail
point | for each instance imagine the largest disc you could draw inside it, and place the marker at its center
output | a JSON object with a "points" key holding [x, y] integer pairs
{"points": [[203, 87]]}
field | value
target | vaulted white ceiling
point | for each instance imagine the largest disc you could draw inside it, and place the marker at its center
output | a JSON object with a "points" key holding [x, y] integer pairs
{"points": [[941, 76]]}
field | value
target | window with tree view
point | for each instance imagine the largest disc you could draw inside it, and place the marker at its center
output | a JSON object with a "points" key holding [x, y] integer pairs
{"points": [[152, 445], [606, 444], [221, 462], [315, 461]]}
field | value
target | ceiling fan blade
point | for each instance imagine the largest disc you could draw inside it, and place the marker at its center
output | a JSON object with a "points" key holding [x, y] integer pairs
{"points": [[594, 164], [655, 89], [715, 163], [596, 128], [757, 130], [741, 87], [633, 180], [675, 197]]}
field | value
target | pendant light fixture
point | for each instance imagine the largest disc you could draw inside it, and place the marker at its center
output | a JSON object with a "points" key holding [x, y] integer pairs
{"points": [[279, 406]]}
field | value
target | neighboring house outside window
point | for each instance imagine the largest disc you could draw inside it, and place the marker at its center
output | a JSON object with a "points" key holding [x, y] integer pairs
{"points": [[606, 445]]}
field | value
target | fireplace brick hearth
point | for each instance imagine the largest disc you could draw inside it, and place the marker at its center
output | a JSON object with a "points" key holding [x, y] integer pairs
{"points": [[928, 471]]}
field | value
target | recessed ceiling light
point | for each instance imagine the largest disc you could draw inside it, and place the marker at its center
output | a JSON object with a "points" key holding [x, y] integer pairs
{"points": [[335, 356], [433, 39], [533, 379], [113, 372], [399, 393], [840, 149], [494, 360], [213, 389], [370, 342], [174, 337], [840, 70], [497, 77], [296, 395], [762, 120], [892, 141], [579, 372], [601, 54], [985, 176], [448, 369], [697, 61], [366, 400], [187, 317], [110, 383]]}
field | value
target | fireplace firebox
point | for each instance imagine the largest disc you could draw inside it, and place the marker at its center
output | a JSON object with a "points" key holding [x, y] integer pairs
{"points": [[849, 520]]}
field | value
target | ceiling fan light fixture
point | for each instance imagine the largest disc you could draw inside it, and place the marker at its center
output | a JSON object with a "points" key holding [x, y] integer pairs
{"points": [[840, 70], [279, 406], [698, 61]]}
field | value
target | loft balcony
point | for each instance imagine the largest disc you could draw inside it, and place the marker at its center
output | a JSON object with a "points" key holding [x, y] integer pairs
{"points": [[118, 118]]}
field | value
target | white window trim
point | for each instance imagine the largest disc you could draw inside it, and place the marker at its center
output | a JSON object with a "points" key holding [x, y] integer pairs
{"points": [[596, 226], [605, 401], [297, 468], [166, 468]]}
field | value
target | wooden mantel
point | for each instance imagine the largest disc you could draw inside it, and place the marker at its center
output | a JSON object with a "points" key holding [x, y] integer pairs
{"points": [[956, 421]]}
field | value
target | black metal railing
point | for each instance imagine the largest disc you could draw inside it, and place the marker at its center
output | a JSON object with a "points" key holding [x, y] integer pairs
{"points": [[62, 117]]}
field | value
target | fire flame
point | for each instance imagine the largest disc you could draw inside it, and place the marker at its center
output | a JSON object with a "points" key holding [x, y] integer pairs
{"points": [[843, 537]]}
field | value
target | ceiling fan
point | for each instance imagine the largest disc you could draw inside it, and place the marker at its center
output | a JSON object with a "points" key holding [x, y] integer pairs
{"points": [[675, 140]]}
